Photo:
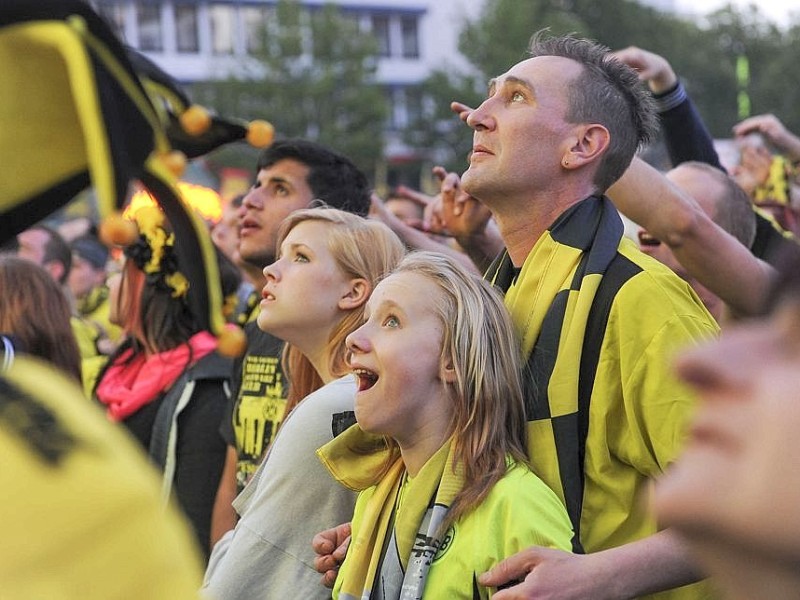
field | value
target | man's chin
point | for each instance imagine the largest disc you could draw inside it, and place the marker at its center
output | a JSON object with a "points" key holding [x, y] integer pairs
{"points": [[471, 182], [257, 261], [468, 180]]}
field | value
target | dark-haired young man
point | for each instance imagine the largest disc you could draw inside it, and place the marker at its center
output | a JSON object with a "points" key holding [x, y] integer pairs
{"points": [[291, 174]]}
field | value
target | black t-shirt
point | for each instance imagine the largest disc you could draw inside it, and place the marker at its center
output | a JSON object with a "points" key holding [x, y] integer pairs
{"points": [[259, 401]]}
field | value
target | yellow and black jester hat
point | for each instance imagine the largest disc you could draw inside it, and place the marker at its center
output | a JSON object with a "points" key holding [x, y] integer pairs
{"points": [[78, 109]]}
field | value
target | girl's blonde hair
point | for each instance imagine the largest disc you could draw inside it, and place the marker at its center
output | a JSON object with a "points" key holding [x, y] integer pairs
{"points": [[361, 248], [488, 422]]}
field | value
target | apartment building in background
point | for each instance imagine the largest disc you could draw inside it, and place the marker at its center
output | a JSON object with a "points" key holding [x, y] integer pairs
{"points": [[202, 40]]}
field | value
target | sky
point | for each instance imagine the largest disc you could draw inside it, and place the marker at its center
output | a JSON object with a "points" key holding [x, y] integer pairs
{"points": [[776, 10]]}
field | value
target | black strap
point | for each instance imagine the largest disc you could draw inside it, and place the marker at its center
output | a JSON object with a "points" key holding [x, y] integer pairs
{"points": [[619, 272], [211, 366]]}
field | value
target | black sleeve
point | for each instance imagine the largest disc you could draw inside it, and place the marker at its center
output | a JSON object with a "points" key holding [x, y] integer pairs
{"points": [[685, 133]]}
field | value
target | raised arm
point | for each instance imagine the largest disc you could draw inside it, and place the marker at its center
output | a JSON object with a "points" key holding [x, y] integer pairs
{"points": [[465, 218], [707, 252], [414, 238], [685, 133], [786, 142]]}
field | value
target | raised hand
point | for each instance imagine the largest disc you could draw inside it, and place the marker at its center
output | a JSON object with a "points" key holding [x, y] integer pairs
{"points": [[774, 131], [462, 110], [653, 69], [753, 168], [453, 211]]}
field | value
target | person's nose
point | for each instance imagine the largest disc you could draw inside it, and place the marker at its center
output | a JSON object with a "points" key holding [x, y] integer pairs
{"points": [[481, 118], [251, 201], [272, 271], [357, 342]]}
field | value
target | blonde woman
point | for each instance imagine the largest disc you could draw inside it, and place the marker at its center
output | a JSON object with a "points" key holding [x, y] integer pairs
{"points": [[444, 489], [328, 262]]}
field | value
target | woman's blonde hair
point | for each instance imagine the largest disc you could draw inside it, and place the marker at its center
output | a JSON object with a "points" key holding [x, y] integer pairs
{"points": [[361, 248], [489, 422]]}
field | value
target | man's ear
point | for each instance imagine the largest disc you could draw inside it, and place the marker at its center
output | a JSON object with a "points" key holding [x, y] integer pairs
{"points": [[357, 293], [56, 269], [447, 372], [589, 143]]}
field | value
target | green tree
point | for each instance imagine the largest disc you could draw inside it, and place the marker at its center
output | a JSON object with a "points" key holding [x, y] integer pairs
{"points": [[499, 37], [712, 73], [778, 90], [496, 40], [313, 77], [437, 135], [703, 52]]}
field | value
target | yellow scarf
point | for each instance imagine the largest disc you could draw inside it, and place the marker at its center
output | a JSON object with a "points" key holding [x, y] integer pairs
{"points": [[350, 465]]}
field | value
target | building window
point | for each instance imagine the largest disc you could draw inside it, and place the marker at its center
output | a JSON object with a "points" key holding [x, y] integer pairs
{"points": [[410, 38], [149, 20], [255, 27], [222, 18], [413, 105], [380, 29], [114, 15], [186, 28], [393, 116]]}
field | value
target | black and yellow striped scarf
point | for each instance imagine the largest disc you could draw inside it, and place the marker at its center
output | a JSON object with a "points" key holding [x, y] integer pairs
{"points": [[559, 302]]}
